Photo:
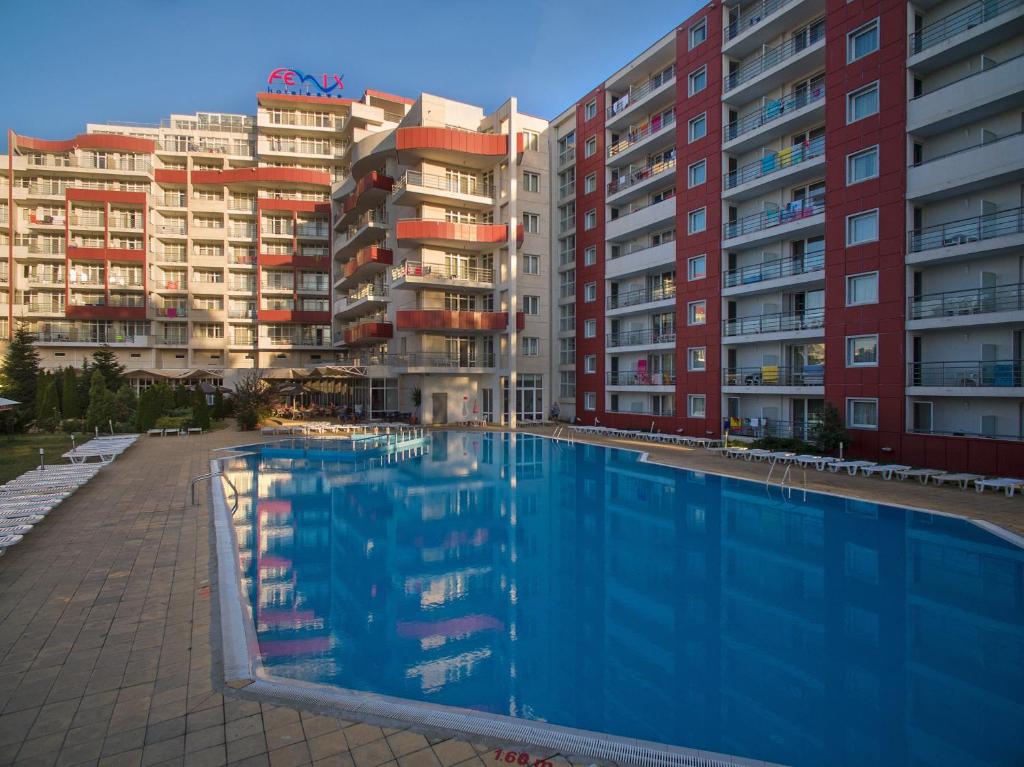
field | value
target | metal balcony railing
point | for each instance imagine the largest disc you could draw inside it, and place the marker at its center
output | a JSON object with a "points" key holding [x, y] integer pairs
{"points": [[170, 311], [635, 246], [567, 156], [313, 287], [442, 272], [965, 230], [776, 322], [304, 119], [641, 378], [641, 296], [769, 427], [758, 65], [468, 359], [971, 434], [655, 125], [774, 110], [46, 249], [995, 373], [367, 292], [310, 230], [640, 92], [775, 162], [774, 375], [758, 222], [960, 21], [984, 142], [639, 205], [454, 185], [159, 284], [171, 257], [247, 313], [278, 285], [775, 269], [663, 412], [956, 303], [87, 336], [638, 337], [135, 302], [170, 228], [172, 339], [753, 14], [47, 307], [241, 259]]}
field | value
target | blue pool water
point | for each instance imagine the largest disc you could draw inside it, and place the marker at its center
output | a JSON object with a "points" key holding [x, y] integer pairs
{"points": [[577, 585]]}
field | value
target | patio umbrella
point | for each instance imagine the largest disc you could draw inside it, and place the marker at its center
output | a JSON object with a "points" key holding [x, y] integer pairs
{"points": [[7, 404]]}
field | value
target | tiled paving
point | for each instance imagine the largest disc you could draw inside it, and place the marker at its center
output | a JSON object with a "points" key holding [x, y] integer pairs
{"points": [[105, 611], [105, 652]]}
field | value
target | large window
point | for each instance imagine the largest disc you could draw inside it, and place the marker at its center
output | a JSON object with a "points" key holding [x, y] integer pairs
{"points": [[862, 413], [590, 110], [862, 103], [567, 384], [590, 363], [590, 255], [697, 267], [698, 127], [696, 359], [862, 351], [590, 220], [862, 289], [590, 148], [590, 183], [862, 227], [696, 313], [530, 397], [589, 400], [862, 41], [697, 173], [531, 346], [590, 328], [860, 166], [696, 405], [697, 221], [531, 223], [531, 304], [698, 33], [566, 351], [698, 80], [531, 181], [531, 264]]}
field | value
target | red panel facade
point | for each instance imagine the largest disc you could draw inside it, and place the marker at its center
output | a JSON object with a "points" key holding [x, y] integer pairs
{"points": [[421, 137]]}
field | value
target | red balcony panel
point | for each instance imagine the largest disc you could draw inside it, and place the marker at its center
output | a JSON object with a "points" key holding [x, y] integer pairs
{"points": [[169, 176], [105, 312], [520, 320], [444, 319], [292, 259], [292, 315], [262, 175], [300, 206], [106, 195], [370, 255], [87, 141], [373, 185], [421, 229], [452, 140], [368, 333], [106, 254]]}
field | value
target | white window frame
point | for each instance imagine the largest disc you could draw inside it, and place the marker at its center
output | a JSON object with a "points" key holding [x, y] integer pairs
{"points": [[590, 255], [590, 183], [531, 346], [589, 400], [850, 278], [531, 305], [690, 365], [531, 260], [590, 293], [851, 36], [850, 423], [531, 181], [590, 219], [691, 402], [853, 156], [703, 116], [590, 110], [850, 341], [700, 26], [531, 222], [590, 363], [690, 221], [691, 313], [691, 276], [590, 328], [692, 77], [861, 214], [703, 165], [854, 94], [590, 147]]}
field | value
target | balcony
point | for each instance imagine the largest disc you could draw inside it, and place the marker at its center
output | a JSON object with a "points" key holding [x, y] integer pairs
{"points": [[641, 300], [757, 22], [89, 337], [236, 286], [969, 30], [370, 229], [792, 165], [641, 338], [368, 333], [645, 410], [415, 274], [369, 298], [962, 308], [760, 328], [771, 427], [994, 161], [455, 146], [776, 118], [415, 188], [170, 230], [996, 378], [471, 361], [803, 218], [369, 192], [641, 218], [312, 231], [447, 234], [979, 236], [170, 312], [640, 379], [172, 339], [758, 76], [772, 275], [809, 379], [445, 320], [988, 92], [637, 141], [652, 94], [366, 263], [640, 256]]}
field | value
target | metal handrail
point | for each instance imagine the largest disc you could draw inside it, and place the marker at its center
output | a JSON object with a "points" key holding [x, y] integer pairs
{"points": [[959, 21], [753, 14], [419, 269], [635, 246], [773, 110], [636, 337], [638, 377], [473, 359], [83, 336], [771, 270], [805, 430], [968, 76], [634, 137], [210, 476], [769, 219], [774, 322], [444, 183], [965, 230], [641, 296], [955, 303], [640, 92], [968, 148], [971, 434], [751, 68], [664, 413], [774, 375], [776, 161], [972, 373]]}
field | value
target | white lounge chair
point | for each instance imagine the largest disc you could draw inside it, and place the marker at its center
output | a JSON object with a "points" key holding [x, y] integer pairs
{"points": [[28, 519], [817, 461], [885, 469], [155, 432], [9, 540], [756, 454], [11, 528], [852, 467], [1008, 485], [921, 475], [781, 456], [961, 478]]}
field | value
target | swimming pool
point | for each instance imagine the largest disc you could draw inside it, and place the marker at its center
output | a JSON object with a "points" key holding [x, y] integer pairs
{"points": [[583, 587]]}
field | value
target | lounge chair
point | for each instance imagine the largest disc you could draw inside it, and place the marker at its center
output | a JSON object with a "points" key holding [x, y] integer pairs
{"points": [[1008, 485], [9, 540], [155, 432], [27, 519], [885, 469], [961, 478], [817, 461], [852, 467], [756, 454], [735, 452], [781, 456], [14, 529], [921, 475]]}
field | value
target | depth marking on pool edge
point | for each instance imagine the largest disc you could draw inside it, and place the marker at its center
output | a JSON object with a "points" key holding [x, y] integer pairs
{"points": [[521, 758]]}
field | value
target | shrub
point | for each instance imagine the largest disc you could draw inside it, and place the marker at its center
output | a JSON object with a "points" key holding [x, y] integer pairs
{"points": [[831, 432], [200, 410], [253, 400], [126, 403], [171, 422], [102, 403], [70, 404], [47, 414], [69, 425], [785, 444]]}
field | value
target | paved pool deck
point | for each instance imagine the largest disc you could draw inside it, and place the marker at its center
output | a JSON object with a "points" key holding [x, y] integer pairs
{"points": [[105, 626]]}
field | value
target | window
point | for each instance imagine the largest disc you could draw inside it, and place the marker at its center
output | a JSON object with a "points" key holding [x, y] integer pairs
{"points": [[862, 103], [531, 264], [566, 351], [696, 359], [589, 400], [695, 405], [590, 363], [590, 292], [862, 413], [697, 221], [698, 127], [590, 219], [567, 318], [531, 140], [860, 166], [698, 173], [590, 328], [531, 304], [590, 110], [531, 181], [698, 80], [590, 255], [531, 223], [862, 41], [590, 148], [861, 351], [531, 346], [698, 33], [567, 384], [590, 183], [697, 267], [696, 313], [862, 289], [862, 227]]}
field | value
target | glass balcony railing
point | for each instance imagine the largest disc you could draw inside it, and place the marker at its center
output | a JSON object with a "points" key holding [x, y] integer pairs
{"points": [[773, 270], [758, 65], [774, 109], [959, 21], [973, 373], [774, 375], [775, 322], [443, 272], [769, 427], [959, 303], [966, 230], [641, 296], [639, 337], [753, 14], [774, 162], [452, 184], [768, 219], [567, 156], [641, 378]]}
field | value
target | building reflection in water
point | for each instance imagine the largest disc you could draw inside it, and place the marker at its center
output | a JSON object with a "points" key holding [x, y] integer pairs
{"points": [[579, 586]]}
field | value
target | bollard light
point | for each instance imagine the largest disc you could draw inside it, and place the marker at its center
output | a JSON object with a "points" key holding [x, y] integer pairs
{"points": [[42, 459]]}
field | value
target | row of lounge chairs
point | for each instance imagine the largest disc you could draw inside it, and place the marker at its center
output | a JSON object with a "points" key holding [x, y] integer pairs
{"points": [[175, 432], [648, 436], [325, 427], [106, 449]]}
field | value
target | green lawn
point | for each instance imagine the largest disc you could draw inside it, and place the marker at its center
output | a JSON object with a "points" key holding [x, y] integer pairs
{"points": [[20, 452]]}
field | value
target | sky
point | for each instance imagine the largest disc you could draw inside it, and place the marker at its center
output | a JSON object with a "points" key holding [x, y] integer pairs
{"points": [[70, 62]]}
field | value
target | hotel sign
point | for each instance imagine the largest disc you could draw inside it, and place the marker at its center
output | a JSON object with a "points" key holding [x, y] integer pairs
{"points": [[295, 81]]}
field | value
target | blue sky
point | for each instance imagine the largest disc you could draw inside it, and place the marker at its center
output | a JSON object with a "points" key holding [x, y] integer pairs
{"points": [[69, 62]]}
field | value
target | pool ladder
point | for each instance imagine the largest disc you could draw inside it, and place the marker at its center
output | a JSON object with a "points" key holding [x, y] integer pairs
{"points": [[562, 433], [211, 476]]}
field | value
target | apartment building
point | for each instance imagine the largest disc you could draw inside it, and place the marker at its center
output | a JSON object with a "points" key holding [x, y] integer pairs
{"points": [[440, 260], [788, 203]]}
